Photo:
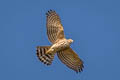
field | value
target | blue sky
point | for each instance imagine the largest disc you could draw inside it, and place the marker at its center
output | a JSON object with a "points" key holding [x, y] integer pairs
{"points": [[94, 25]]}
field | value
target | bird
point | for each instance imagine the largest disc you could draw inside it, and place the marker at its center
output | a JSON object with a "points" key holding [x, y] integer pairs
{"points": [[59, 45]]}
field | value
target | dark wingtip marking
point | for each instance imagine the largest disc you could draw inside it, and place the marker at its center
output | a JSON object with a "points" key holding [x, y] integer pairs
{"points": [[49, 12], [80, 68], [83, 66]]}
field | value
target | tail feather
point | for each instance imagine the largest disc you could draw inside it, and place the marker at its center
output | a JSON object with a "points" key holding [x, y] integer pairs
{"points": [[42, 56]]}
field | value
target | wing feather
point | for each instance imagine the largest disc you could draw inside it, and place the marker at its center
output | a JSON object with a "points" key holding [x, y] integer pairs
{"points": [[54, 27], [71, 59]]}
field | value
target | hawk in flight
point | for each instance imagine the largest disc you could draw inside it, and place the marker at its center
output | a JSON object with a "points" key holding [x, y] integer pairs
{"points": [[60, 45]]}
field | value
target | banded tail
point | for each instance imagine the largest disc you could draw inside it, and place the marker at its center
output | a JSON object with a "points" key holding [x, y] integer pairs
{"points": [[43, 57]]}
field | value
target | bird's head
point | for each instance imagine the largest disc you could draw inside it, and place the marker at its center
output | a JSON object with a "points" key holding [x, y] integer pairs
{"points": [[70, 40]]}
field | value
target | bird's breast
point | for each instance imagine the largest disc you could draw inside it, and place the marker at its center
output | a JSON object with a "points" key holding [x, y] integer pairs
{"points": [[61, 45]]}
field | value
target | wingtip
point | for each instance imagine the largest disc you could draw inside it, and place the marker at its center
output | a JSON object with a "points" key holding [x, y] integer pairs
{"points": [[49, 12], [80, 68]]}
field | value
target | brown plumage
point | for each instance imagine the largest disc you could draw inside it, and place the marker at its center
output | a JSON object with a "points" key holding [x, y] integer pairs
{"points": [[60, 45], [45, 58]]}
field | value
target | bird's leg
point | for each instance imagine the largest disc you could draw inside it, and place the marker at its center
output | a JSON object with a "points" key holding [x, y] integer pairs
{"points": [[50, 51]]}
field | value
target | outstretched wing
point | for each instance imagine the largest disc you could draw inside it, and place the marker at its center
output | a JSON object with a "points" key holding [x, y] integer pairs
{"points": [[71, 59], [54, 27]]}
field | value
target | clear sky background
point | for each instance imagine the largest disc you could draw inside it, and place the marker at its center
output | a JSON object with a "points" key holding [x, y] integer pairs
{"points": [[94, 25]]}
